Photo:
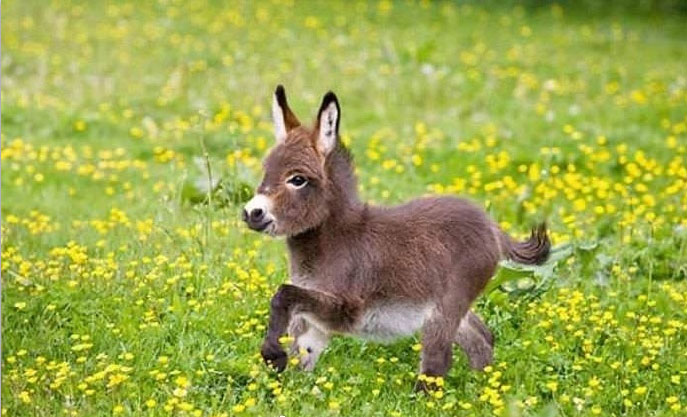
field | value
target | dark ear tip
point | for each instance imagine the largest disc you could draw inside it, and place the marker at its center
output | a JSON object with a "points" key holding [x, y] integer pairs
{"points": [[329, 97], [280, 93]]}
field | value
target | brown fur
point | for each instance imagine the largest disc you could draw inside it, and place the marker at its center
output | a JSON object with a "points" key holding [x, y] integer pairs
{"points": [[348, 258]]}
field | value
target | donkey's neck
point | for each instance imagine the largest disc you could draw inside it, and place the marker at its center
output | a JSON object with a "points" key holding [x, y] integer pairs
{"points": [[310, 250]]}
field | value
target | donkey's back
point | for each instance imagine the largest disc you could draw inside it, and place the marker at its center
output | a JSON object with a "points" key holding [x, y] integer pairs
{"points": [[441, 243]]}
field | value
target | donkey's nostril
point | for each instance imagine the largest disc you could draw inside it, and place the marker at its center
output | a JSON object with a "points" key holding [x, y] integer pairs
{"points": [[244, 215], [256, 214]]}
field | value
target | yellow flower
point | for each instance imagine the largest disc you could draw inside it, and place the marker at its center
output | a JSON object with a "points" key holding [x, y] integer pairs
{"points": [[594, 382], [24, 397], [181, 381], [79, 125], [136, 132], [185, 406]]}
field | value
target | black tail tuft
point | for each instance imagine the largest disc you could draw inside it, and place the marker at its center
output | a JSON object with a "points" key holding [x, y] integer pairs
{"points": [[533, 251]]}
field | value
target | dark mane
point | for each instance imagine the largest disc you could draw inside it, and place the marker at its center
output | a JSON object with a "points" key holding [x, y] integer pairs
{"points": [[340, 169]]}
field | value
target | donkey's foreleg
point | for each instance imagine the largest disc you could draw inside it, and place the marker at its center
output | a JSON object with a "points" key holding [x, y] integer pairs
{"points": [[332, 312], [476, 340], [309, 342]]}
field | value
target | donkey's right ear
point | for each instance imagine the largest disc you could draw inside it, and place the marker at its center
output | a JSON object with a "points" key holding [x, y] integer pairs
{"points": [[283, 117]]}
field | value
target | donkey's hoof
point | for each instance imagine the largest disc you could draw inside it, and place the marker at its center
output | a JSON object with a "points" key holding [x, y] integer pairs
{"points": [[421, 386], [274, 356], [425, 387]]}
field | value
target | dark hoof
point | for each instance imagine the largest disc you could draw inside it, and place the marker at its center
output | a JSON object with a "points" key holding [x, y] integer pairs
{"points": [[425, 387], [274, 356], [429, 384], [421, 386]]}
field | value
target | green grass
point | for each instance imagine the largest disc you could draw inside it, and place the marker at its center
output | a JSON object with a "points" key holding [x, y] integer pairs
{"points": [[120, 296]]}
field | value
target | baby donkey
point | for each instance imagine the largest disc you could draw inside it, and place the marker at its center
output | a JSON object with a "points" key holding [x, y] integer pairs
{"points": [[379, 273]]}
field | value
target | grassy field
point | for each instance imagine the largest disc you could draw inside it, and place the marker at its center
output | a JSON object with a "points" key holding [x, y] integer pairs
{"points": [[125, 292]]}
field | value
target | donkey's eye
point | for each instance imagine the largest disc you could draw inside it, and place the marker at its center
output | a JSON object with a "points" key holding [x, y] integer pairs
{"points": [[297, 181]]}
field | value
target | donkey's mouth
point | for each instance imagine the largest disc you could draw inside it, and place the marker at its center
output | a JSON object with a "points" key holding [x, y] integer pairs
{"points": [[261, 227]]}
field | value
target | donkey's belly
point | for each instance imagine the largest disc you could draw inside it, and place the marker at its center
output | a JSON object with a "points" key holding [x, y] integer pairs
{"points": [[386, 322]]}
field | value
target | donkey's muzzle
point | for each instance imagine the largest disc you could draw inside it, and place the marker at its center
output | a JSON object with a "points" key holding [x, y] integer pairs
{"points": [[256, 219]]}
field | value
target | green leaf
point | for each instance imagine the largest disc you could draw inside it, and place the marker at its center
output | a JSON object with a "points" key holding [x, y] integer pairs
{"points": [[515, 278]]}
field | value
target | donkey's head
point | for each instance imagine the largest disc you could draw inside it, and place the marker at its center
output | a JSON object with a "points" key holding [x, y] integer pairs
{"points": [[304, 173]]}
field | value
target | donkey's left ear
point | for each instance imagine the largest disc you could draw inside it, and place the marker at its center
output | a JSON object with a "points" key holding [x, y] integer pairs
{"points": [[328, 123]]}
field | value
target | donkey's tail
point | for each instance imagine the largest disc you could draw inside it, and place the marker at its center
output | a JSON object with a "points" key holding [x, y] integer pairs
{"points": [[533, 251]]}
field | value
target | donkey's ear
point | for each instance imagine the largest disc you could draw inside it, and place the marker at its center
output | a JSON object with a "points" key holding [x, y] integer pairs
{"points": [[328, 123], [283, 117]]}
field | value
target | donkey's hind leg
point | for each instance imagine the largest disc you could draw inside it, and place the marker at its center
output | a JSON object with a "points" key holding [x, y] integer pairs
{"points": [[438, 335], [308, 344], [476, 340]]}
